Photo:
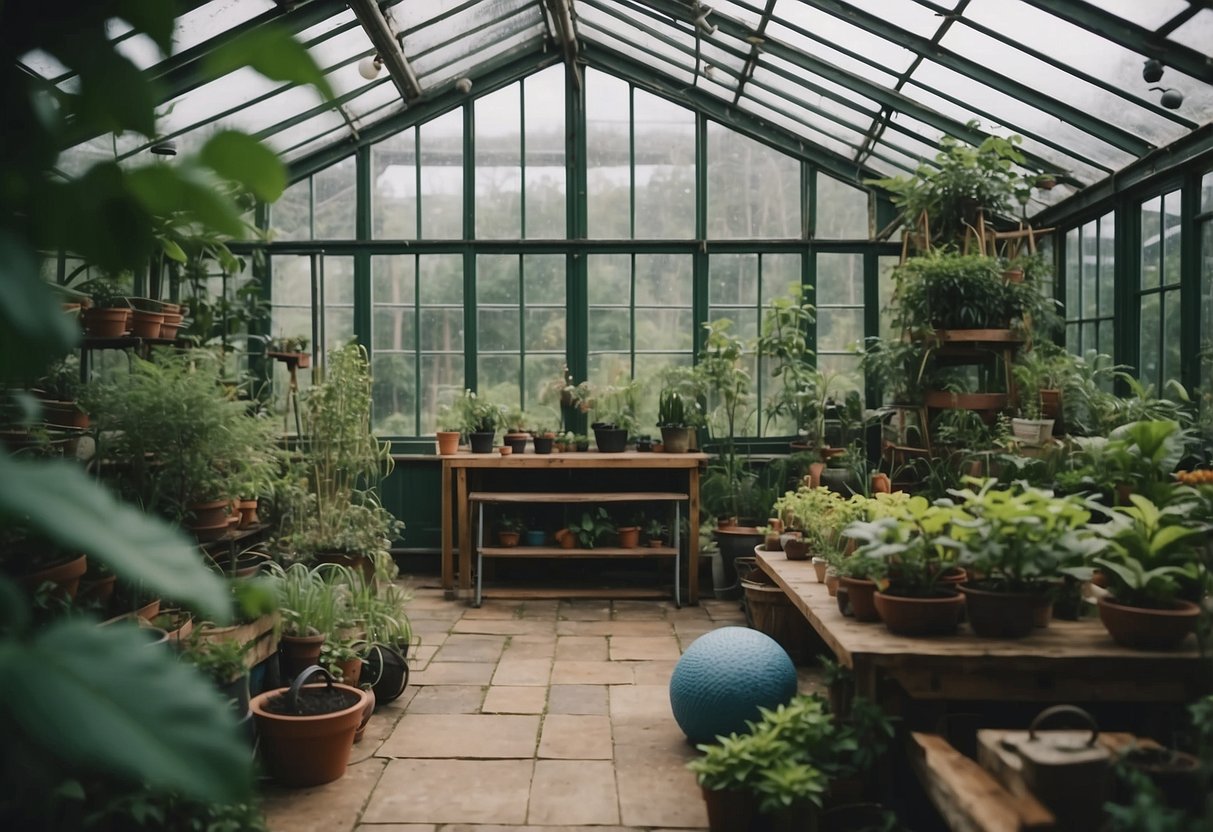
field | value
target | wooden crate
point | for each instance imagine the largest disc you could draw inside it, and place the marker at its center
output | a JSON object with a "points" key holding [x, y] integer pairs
{"points": [[262, 634]]}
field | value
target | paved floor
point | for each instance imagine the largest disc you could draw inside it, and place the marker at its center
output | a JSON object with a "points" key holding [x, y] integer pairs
{"points": [[524, 716]]}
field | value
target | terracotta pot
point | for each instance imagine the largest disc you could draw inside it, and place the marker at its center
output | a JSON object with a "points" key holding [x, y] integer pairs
{"points": [[675, 440], [656, 543], [505, 450], [367, 710], [881, 484], [517, 442], [355, 561], [729, 810], [248, 513], [64, 414], [351, 672], [629, 537], [1002, 614], [65, 575], [178, 624], [448, 442], [172, 323], [146, 324], [149, 610], [98, 592], [307, 750], [1013, 275], [1148, 629], [862, 595], [297, 653], [795, 548], [909, 616], [207, 515], [1050, 404], [566, 539], [109, 322], [508, 540], [831, 582], [820, 566], [205, 534]]}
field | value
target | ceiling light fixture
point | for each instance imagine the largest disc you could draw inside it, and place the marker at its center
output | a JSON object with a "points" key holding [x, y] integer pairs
{"points": [[166, 147], [1171, 99], [369, 67], [1151, 73]]}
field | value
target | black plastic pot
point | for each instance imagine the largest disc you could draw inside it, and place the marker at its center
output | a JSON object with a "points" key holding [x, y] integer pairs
{"points": [[644, 443], [517, 442], [387, 671], [482, 441], [734, 543], [543, 444], [611, 440]]}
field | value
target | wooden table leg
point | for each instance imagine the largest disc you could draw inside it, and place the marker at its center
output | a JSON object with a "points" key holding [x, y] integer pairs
{"points": [[465, 530], [448, 552], [693, 537]]}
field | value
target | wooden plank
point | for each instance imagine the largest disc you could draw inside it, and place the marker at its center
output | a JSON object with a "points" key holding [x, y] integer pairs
{"points": [[588, 459], [448, 554], [262, 634], [574, 497], [693, 537], [621, 593], [464, 525], [968, 797], [559, 552]]}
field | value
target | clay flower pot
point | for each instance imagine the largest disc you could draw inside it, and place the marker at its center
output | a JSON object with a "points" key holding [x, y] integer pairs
{"points": [[1148, 629], [507, 540], [297, 653], [905, 615], [629, 537], [146, 324], [106, 322], [795, 548], [820, 566], [862, 595], [309, 744], [1003, 614], [566, 539], [207, 515], [248, 513], [448, 442], [65, 575]]}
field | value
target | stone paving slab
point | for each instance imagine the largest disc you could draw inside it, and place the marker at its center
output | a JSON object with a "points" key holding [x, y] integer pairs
{"points": [[591, 673], [640, 703], [454, 673], [333, 806], [659, 795], [504, 699], [470, 648], [447, 699], [504, 627], [628, 648], [585, 610], [577, 699], [577, 792], [610, 628], [452, 791], [569, 737], [653, 673], [583, 648], [639, 610], [471, 736], [529, 672], [530, 647]]}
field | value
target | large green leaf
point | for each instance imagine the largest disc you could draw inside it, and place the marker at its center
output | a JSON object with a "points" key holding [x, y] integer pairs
{"points": [[64, 505], [33, 328], [164, 191], [272, 52], [241, 158], [106, 698]]}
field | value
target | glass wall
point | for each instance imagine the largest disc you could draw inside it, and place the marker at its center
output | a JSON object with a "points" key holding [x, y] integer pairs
{"points": [[1159, 347], [1090, 281], [1205, 224], [500, 293]]}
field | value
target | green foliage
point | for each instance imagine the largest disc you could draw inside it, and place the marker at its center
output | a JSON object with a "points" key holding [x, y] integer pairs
{"points": [[819, 514], [472, 413], [944, 290], [793, 752], [511, 522], [1045, 366], [907, 550], [309, 603], [674, 410], [783, 340], [1154, 552], [616, 404], [592, 527], [896, 366], [222, 660]]}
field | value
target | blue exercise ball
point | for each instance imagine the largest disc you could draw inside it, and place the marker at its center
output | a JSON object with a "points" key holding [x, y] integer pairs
{"points": [[724, 677]]}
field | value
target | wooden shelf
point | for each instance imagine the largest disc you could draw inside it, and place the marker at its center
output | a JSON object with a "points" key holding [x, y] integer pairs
{"points": [[235, 536], [605, 593], [574, 497], [560, 552], [262, 634]]}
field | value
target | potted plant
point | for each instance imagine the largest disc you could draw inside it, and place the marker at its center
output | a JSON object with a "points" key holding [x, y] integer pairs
{"points": [[629, 534], [516, 434], [59, 391], [783, 342], [290, 349], [509, 529], [913, 594], [674, 420], [857, 585], [307, 731], [35, 564], [108, 313], [223, 662], [450, 429], [1016, 541], [1041, 374], [544, 433], [654, 530], [592, 528], [483, 420], [1152, 563], [581, 442], [308, 615], [342, 657], [614, 409]]}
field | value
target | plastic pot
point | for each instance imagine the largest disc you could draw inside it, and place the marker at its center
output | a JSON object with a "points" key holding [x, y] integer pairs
{"points": [[387, 672]]}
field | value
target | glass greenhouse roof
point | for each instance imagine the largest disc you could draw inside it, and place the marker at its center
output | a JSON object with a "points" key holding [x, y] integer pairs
{"points": [[867, 86]]}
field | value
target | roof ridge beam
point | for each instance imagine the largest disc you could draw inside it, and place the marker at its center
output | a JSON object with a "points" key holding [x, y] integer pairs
{"points": [[1111, 133], [387, 44], [561, 12]]}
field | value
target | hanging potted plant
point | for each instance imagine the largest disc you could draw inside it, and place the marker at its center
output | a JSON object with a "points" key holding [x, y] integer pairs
{"points": [[1152, 564], [307, 731]]}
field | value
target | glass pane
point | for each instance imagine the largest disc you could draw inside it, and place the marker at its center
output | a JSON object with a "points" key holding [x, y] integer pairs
{"points": [[393, 328], [1106, 335], [886, 266], [290, 316], [394, 393], [1171, 336], [753, 191], [394, 178], [545, 155], [499, 164], [839, 329], [541, 369], [291, 215], [1107, 265], [544, 329], [839, 280], [663, 280], [1073, 275], [610, 329], [1151, 242], [664, 329], [544, 278], [498, 377], [610, 279], [441, 329], [1206, 192], [1090, 263], [336, 201], [1148, 358], [841, 210], [441, 278], [1073, 339], [441, 377], [1206, 306], [1172, 238], [779, 273], [608, 133], [442, 177], [497, 279], [497, 329], [665, 168], [608, 368], [733, 279]]}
